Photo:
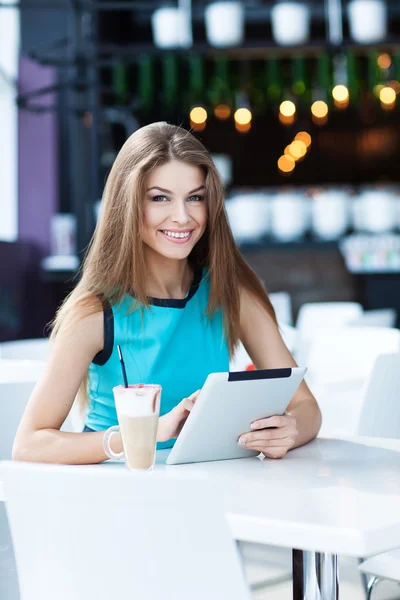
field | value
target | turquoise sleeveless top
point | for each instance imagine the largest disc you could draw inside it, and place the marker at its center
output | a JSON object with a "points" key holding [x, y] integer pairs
{"points": [[172, 343]]}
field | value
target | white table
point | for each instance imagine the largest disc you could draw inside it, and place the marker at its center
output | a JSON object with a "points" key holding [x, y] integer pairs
{"points": [[329, 497]]}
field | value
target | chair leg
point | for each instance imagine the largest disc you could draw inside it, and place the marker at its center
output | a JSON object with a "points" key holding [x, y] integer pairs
{"points": [[364, 578], [371, 586]]}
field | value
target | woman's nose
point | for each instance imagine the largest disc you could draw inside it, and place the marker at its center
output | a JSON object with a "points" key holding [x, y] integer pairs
{"points": [[180, 213]]}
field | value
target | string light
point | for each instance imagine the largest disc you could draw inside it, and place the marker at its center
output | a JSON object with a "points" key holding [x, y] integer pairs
{"points": [[319, 109], [287, 108], [304, 137], [384, 61], [286, 164], [340, 93], [198, 115], [222, 111], [297, 149], [387, 96], [243, 116]]}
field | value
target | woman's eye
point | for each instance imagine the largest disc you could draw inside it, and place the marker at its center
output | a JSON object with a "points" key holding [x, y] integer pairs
{"points": [[195, 198], [160, 199]]}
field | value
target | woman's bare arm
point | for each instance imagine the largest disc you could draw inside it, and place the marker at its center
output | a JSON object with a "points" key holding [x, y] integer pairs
{"points": [[39, 438], [262, 340]]}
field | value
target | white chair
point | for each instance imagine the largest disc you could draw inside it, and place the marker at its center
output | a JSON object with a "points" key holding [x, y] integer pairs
{"points": [[380, 412], [382, 317], [16, 371], [13, 399], [340, 363], [90, 532], [17, 380], [21, 370], [383, 566], [35, 349], [380, 417], [316, 315]]}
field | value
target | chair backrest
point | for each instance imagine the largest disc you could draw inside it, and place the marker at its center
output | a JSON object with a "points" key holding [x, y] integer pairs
{"points": [[382, 317], [13, 400], [35, 349], [380, 413], [21, 370], [103, 532], [314, 316], [14, 372], [349, 353]]}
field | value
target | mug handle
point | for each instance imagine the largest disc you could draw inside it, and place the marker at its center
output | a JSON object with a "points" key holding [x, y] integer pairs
{"points": [[106, 443]]}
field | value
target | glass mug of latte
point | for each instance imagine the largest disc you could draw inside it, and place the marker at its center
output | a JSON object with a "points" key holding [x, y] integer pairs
{"points": [[138, 409]]}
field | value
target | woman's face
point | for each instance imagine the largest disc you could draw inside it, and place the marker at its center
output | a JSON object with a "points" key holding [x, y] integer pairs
{"points": [[175, 211]]}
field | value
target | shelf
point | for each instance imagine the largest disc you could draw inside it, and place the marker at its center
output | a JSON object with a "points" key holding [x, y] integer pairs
{"points": [[300, 245]]}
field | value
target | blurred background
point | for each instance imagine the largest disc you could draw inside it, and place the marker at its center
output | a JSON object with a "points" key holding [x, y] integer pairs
{"points": [[296, 100]]}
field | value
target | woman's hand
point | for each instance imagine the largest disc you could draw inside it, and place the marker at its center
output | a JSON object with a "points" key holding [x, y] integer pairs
{"points": [[170, 424], [273, 436]]}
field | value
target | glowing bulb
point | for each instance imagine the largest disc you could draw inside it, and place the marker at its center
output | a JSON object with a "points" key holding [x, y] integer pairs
{"points": [[297, 149], [319, 109], [286, 164], [384, 61], [243, 116], [198, 115], [222, 111], [340, 93], [387, 95], [287, 108], [304, 137]]}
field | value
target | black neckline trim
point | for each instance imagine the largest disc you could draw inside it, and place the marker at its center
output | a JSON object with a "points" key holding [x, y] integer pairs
{"points": [[179, 302]]}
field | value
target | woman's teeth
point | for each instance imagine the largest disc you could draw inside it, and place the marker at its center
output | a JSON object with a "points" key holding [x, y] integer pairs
{"points": [[177, 235]]}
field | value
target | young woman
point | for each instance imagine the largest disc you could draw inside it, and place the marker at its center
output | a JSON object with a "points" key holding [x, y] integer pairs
{"points": [[164, 279]]}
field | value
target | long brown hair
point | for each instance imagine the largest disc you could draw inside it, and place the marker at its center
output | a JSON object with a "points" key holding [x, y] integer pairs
{"points": [[115, 262]]}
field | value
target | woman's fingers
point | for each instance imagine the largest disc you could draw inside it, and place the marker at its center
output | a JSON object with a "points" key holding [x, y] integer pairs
{"points": [[265, 434], [263, 445], [277, 421], [193, 397], [187, 404]]}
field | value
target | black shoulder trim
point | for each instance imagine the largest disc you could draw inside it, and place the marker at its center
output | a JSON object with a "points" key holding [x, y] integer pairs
{"points": [[261, 374], [108, 317]]}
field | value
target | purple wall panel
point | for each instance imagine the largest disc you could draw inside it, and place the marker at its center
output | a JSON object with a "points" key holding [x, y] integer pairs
{"points": [[37, 158]]}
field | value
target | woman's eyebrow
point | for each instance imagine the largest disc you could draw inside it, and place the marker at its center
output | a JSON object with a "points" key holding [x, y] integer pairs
{"points": [[156, 187]]}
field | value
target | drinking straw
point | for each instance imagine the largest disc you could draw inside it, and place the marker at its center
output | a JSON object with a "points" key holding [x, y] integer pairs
{"points": [[121, 359]]}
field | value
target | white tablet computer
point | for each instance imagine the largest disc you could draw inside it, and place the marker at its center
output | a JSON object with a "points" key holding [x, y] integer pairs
{"points": [[226, 406]]}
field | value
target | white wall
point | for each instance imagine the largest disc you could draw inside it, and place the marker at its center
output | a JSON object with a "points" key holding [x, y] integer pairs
{"points": [[9, 50]]}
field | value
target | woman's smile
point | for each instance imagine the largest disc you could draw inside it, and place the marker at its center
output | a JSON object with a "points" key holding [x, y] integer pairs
{"points": [[177, 236]]}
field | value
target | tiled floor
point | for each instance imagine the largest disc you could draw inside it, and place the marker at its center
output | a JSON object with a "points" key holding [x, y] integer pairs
{"points": [[278, 564]]}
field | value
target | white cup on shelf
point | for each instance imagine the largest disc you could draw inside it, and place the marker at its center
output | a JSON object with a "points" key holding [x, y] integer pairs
{"points": [[171, 28], [290, 216], [249, 216], [330, 214], [224, 22], [290, 22], [367, 20], [374, 211]]}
